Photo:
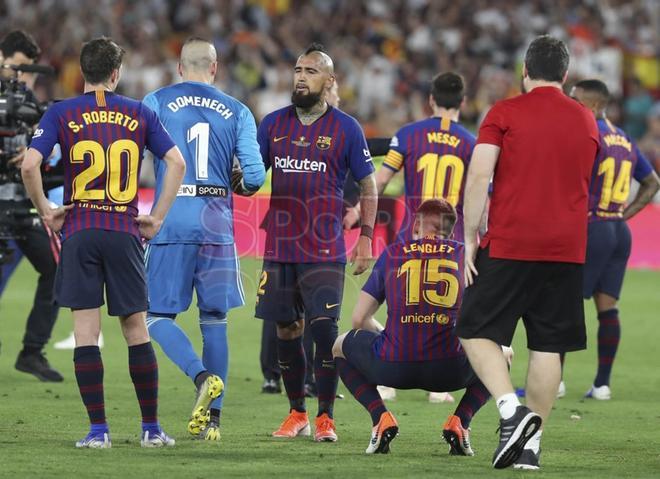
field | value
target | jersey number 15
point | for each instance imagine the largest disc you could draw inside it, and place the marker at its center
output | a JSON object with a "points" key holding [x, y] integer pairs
{"points": [[427, 273]]}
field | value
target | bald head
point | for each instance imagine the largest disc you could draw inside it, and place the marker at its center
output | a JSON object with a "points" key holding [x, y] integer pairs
{"points": [[199, 60]]}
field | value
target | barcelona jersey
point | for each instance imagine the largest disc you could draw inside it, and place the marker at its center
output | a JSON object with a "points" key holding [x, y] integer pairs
{"points": [[421, 282], [102, 136], [434, 154], [309, 164], [618, 161]]}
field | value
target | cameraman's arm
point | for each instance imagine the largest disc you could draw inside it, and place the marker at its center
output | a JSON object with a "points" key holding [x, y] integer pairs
{"points": [[31, 173]]}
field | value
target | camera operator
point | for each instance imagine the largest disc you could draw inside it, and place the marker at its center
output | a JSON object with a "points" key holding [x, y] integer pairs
{"points": [[39, 245]]}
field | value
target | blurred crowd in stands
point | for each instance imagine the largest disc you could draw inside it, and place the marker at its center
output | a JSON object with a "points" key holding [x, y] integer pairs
{"points": [[385, 51]]}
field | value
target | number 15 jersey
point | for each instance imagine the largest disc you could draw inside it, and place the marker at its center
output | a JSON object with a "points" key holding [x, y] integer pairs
{"points": [[102, 136], [434, 154]]}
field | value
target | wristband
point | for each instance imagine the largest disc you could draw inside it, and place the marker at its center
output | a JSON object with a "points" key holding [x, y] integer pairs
{"points": [[367, 231]]}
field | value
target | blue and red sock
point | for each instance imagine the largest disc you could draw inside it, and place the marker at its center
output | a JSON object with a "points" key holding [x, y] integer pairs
{"points": [[89, 375], [475, 396], [361, 389], [293, 364], [143, 367], [609, 335], [324, 332]]}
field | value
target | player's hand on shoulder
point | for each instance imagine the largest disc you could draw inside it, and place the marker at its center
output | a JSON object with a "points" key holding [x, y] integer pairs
{"points": [[148, 225], [361, 255], [54, 217], [237, 185]]}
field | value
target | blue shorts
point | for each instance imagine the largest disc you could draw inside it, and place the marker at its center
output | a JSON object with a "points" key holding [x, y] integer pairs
{"points": [[93, 258], [608, 250], [173, 270], [291, 291], [438, 375]]}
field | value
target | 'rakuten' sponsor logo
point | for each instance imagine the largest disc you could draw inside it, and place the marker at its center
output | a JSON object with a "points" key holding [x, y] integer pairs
{"points": [[292, 165]]}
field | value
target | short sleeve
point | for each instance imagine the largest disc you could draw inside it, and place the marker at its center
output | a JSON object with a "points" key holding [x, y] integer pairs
{"points": [[643, 167], [45, 137], [396, 153], [152, 103], [264, 141], [375, 285], [359, 158], [158, 141], [493, 127]]}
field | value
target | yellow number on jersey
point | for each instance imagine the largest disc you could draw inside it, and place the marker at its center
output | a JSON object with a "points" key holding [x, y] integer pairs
{"points": [[114, 189], [438, 170], [428, 272], [264, 279], [614, 191]]}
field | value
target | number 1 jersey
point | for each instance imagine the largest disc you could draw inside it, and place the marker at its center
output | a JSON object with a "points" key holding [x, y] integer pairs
{"points": [[102, 136]]}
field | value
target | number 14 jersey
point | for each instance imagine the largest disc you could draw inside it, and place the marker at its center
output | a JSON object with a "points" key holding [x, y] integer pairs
{"points": [[102, 136], [434, 154]]}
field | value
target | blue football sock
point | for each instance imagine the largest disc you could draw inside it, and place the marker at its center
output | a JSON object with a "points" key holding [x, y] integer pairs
{"points": [[216, 348], [175, 344]]}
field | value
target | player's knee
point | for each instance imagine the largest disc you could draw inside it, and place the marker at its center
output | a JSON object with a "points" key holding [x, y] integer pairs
{"points": [[337, 351], [292, 330]]}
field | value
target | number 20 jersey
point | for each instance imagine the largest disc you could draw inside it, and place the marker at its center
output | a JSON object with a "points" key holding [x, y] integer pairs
{"points": [[617, 160], [421, 282], [102, 136], [434, 154]]}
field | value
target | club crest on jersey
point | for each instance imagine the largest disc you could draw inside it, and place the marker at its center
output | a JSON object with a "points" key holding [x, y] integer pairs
{"points": [[324, 142], [302, 142], [121, 209]]}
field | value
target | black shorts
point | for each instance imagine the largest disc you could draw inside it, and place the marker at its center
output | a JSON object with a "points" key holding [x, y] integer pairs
{"points": [[608, 250], [288, 292], [92, 259], [546, 295], [439, 375]]}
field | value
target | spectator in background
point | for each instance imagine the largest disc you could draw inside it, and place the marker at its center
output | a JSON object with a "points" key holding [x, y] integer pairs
{"points": [[650, 142], [635, 109]]}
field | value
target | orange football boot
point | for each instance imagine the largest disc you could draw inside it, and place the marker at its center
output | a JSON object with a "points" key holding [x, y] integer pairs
{"points": [[457, 437], [382, 434], [295, 424], [325, 429]]}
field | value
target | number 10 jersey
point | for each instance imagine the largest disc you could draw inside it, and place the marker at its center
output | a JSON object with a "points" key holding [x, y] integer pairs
{"points": [[434, 154], [102, 136]]}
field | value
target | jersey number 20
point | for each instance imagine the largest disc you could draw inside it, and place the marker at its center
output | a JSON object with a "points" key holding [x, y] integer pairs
{"points": [[119, 188]]}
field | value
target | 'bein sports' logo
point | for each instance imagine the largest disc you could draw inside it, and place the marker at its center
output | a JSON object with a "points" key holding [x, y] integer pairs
{"points": [[292, 165]]}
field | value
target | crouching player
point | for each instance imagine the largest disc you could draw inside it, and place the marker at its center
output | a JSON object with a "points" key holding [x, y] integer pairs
{"points": [[420, 281]]}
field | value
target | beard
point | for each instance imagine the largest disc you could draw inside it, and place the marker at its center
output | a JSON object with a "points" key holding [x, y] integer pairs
{"points": [[305, 100]]}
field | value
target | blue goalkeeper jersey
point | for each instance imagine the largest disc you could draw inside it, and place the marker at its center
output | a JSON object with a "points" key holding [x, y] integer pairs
{"points": [[211, 129]]}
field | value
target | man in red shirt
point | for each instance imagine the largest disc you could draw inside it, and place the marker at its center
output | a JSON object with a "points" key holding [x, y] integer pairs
{"points": [[539, 148]]}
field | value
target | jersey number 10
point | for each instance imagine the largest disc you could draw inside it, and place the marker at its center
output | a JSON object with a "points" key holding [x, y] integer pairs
{"points": [[440, 171]]}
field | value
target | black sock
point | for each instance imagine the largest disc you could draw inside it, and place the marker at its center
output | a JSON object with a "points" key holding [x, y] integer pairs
{"points": [[200, 378], [215, 415], [292, 364], [365, 393], [89, 375], [143, 367], [324, 332]]}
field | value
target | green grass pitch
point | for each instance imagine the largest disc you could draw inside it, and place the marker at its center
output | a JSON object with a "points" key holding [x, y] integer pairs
{"points": [[39, 422]]}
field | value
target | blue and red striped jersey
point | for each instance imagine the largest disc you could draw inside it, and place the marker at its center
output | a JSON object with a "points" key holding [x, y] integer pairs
{"points": [[102, 136], [434, 154], [617, 159], [421, 282], [310, 163]]}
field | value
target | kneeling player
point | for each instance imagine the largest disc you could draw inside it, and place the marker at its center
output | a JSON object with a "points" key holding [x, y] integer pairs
{"points": [[420, 280]]}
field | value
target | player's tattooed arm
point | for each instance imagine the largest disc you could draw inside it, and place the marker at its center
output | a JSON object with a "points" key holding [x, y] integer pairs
{"points": [[368, 209], [648, 188]]}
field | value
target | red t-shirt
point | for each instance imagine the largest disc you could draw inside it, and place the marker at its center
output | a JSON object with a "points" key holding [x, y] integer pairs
{"points": [[540, 196]]}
